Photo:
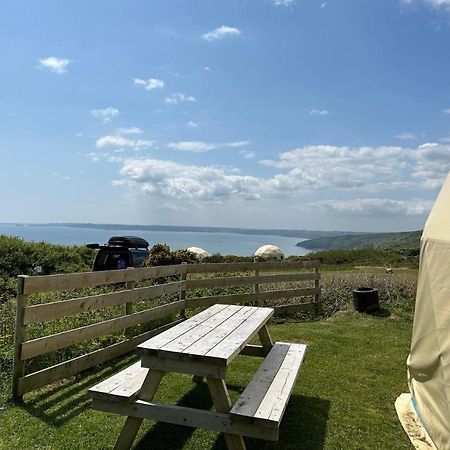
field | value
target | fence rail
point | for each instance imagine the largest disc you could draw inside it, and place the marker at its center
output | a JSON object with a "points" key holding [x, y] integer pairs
{"points": [[174, 299]]}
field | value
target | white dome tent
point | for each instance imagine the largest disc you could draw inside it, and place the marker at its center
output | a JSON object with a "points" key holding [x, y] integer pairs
{"points": [[269, 252], [429, 359], [200, 253]]}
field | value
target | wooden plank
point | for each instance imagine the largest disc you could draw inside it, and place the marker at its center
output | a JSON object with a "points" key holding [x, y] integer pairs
{"points": [[265, 398], [190, 417], [220, 282], [192, 367], [213, 333], [288, 277], [46, 283], [182, 294], [231, 346], [288, 309], [19, 337], [222, 402], [48, 344], [288, 293], [56, 310], [317, 305], [132, 424], [250, 266], [277, 396], [76, 365], [265, 339], [122, 386], [198, 302], [154, 344], [223, 320], [254, 393]]}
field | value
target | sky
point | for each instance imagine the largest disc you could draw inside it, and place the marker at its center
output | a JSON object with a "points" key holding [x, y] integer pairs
{"points": [[307, 114]]}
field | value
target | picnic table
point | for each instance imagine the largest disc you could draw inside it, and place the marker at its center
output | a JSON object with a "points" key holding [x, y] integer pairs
{"points": [[204, 346]]}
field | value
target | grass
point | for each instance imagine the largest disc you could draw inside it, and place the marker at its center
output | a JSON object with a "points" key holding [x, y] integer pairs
{"points": [[344, 398]]}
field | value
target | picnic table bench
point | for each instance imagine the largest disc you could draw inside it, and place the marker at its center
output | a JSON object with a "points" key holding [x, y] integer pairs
{"points": [[204, 346]]}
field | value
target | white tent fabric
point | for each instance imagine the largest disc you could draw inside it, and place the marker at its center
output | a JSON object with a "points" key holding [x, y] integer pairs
{"points": [[199, 252], [429, 359], [269, 251]]}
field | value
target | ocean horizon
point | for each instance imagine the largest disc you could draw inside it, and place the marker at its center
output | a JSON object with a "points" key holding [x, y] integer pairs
{"points": [[225, 243]]}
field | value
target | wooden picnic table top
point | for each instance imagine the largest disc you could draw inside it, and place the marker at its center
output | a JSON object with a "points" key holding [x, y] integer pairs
{"points": [[214, 336]]}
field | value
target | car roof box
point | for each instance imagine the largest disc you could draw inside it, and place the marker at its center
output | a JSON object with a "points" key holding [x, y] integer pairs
{"points": [[128, 241]]}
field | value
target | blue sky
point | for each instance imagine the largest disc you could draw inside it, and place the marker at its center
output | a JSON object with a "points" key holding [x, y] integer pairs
{"points": [[260, 113]]}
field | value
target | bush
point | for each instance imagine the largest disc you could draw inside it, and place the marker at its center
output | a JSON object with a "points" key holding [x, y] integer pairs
{"points": [[160, 255]]}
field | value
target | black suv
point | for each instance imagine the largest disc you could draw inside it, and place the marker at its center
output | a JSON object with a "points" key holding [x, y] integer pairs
{"points": [[120, 252]]}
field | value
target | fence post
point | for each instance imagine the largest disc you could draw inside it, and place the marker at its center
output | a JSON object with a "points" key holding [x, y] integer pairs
{"points": [[256, 285], [317, 305], [182, 296], [19, 337], [129, 285]]}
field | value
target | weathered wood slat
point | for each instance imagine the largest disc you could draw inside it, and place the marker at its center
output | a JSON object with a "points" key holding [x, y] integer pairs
{"points": [[265, 398], [190, 417], [46, 283], [76, 365], [47, 344], [288, 309], [165, 338], [220, 282], [123, 386], [253, 350], [221, 320], [198, 302], [288, 293], [289, 277], [56, 310], [234, 342], [212, 334], [250, 266]]}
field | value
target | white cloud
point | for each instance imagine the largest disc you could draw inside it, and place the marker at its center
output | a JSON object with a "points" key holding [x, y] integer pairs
{"points": [[318, 112], [284, 2], [179, 97], [406, 136], [446, 111], [432, 164], [192, 124], [167, 179], [377, 207], [208, 69], [57, 65], [200, 146], [129, 130], [105, 114], [220, 33], [433, 3], [247, 154], [120, 141], [323, 5], [151, 83]]}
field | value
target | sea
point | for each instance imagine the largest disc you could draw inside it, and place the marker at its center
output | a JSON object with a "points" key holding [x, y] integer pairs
{"points": [[212, 242]]}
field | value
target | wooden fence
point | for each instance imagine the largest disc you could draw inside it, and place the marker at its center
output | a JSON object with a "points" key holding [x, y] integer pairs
{"points": [[173, 294]]}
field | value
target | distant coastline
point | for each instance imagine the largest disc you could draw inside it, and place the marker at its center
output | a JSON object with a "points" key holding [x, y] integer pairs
{"points": [[303, 234]]}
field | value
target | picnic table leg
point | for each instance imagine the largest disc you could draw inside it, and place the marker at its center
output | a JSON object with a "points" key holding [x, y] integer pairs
{"points": [[132, 424], [266, 340], [222, 402]]}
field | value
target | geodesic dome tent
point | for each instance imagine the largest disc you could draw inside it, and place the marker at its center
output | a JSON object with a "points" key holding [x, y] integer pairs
{"points": [[269, 252], [429, 359], [199, 252]]}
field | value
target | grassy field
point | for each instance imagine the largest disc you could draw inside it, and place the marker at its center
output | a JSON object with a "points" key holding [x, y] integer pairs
{"points": [[344, 398]]}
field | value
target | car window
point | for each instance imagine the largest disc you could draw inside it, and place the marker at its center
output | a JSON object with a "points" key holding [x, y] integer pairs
{"points": [[139, 257], [111, 260]]}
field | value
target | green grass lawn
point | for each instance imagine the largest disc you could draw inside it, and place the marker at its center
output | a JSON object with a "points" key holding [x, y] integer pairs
{"points": [[343, 399]]}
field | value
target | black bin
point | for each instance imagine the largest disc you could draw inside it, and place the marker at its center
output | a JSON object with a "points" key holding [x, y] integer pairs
{"points": [[365, 299]]}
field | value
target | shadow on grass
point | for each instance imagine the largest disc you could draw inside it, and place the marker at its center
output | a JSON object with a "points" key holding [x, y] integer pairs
{"points": [[303, 427], [165, 436], [379, 313], [59, 404]]}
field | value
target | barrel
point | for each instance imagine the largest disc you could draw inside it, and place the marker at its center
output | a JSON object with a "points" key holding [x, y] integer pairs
{"points": [[365, 299]]}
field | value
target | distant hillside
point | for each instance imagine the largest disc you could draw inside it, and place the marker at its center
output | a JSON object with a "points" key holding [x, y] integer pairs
{"points": [[367, 240], [305, 234]]}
